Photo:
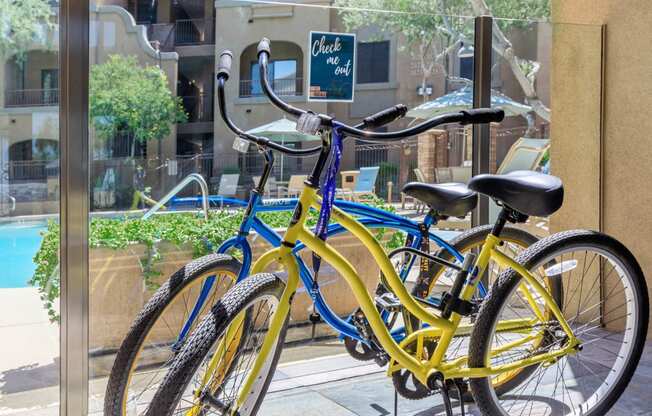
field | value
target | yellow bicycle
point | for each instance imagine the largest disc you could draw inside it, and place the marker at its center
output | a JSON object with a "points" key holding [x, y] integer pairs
{"points": [[573, 354]]}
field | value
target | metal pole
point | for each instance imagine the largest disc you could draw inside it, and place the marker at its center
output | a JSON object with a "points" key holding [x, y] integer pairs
{"points": [[73, 145], [482, 98]]}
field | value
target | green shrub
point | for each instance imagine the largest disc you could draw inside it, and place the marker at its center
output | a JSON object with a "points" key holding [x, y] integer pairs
{"points": [[177, 228]]}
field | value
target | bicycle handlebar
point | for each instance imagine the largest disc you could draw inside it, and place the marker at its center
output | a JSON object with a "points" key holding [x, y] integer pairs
{"points": [[224, 67], [223, 73], [474, 116]]}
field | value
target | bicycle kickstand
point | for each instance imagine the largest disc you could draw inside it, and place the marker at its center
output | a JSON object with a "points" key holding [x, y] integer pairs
{"points": [[444, 388]]}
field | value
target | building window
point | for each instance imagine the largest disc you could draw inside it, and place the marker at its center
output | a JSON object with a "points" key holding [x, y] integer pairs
{"points": [[50, 86], [373, 62], [466, 67], [282, 74]]}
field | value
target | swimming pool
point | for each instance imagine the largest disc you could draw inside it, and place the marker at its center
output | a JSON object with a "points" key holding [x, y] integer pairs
{"points": [[19, 242]]}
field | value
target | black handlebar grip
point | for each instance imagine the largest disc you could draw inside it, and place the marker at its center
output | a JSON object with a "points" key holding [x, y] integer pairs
{"points": [[263, 46], [482, 115], [385, 116], [224, 66]]}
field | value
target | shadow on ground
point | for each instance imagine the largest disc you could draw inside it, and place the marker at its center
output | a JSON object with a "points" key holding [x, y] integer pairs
{"points": [[29, 377]]}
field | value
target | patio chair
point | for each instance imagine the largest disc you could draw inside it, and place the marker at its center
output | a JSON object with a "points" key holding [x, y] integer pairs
{"points": [[418, 205], [419, 175], [294, 186], [271, 187], [443, 175], [365, 185], [227, 191], [460, 174]]}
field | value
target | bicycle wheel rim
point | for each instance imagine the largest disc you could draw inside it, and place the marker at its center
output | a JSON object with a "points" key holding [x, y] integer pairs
{"points": [[224, 387], [588, 369], [131, 404], [512, 247]]}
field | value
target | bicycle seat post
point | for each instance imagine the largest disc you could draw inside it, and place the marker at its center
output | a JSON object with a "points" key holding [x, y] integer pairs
{"points": [[267, 170]]}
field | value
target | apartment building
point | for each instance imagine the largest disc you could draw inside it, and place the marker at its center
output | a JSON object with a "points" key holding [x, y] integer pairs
{"points": [[29, 113], [388, 72], [183, 37]]}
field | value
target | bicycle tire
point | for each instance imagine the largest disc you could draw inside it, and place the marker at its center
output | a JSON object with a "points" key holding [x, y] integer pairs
{"points": [[214, 324], [482, 334], [115, 402]]}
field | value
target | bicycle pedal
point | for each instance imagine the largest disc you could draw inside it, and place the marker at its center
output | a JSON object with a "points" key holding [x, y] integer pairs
{"points": [[389, 302], [381, 359]]}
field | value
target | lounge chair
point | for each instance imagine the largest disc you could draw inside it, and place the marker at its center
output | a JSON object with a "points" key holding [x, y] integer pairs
{"points": [[364, 186], [525, 154], [418, 205], [461, 174], [419, 175], [294, 186], [271, 187]]}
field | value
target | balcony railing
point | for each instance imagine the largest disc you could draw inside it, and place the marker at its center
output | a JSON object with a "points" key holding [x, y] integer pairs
{"points": [[31, 98], [199, 107], [194, 32], [182, 33], [288, 87], [31, 170]]}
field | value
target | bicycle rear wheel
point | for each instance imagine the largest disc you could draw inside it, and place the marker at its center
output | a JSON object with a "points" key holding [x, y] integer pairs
{"points": [[605, 302], [515, 240], [207, 376]]}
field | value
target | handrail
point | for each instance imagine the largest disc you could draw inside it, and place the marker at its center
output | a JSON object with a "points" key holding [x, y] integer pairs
{"points": [[11, 199], [193, 177]]}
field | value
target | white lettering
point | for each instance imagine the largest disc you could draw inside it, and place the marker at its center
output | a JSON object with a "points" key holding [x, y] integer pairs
{"points": [[321, 47], [344, 70]]}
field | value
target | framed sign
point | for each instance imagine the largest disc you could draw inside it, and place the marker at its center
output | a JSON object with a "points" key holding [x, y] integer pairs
{"points": [[331, 67]]}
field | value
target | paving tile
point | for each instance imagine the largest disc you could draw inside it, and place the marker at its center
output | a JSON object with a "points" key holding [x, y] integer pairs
{"points": [[303, 403]]}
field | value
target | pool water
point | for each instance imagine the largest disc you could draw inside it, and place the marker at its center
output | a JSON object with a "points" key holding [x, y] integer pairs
{"points": [[18, 245]]}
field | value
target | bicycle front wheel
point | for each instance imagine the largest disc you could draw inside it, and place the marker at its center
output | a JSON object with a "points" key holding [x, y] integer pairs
{"points": [[605, 303], [159, 331], [207, 376]]}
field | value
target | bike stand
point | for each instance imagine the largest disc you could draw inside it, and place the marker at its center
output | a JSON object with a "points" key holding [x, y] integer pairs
{"points": [[444, 388]]}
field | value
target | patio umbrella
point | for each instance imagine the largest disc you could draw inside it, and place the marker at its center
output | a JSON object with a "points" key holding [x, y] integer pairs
{"points": [[462, 99], [282, 131]]}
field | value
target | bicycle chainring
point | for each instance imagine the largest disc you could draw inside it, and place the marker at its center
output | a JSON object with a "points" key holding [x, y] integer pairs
{"points": [[406, 384]]}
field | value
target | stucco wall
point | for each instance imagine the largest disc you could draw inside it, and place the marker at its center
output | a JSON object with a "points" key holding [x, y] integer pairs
{"points": [[623, 179], [240, 25]]}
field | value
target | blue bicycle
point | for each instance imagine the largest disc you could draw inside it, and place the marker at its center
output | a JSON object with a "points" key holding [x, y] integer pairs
{"points": [[169, 316]]}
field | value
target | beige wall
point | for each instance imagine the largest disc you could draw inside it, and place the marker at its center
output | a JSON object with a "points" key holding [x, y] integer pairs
{"points": [[616, 191], [238, 27]]}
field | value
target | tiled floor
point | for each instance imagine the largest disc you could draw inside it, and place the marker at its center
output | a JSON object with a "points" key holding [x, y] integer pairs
{"points": [[321, 387], [335, 385]]}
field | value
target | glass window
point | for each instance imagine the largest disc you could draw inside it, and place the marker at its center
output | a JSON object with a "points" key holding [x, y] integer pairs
{"points": [[373, 62], [466, 67], [283, 74]]}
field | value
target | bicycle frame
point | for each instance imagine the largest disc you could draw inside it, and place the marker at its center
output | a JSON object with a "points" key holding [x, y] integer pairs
{"points": [[444, 329], [371, 217]]}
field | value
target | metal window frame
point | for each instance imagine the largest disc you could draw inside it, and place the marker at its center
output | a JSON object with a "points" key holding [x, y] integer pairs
{"points": [[74, 18], [482, 98]]}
